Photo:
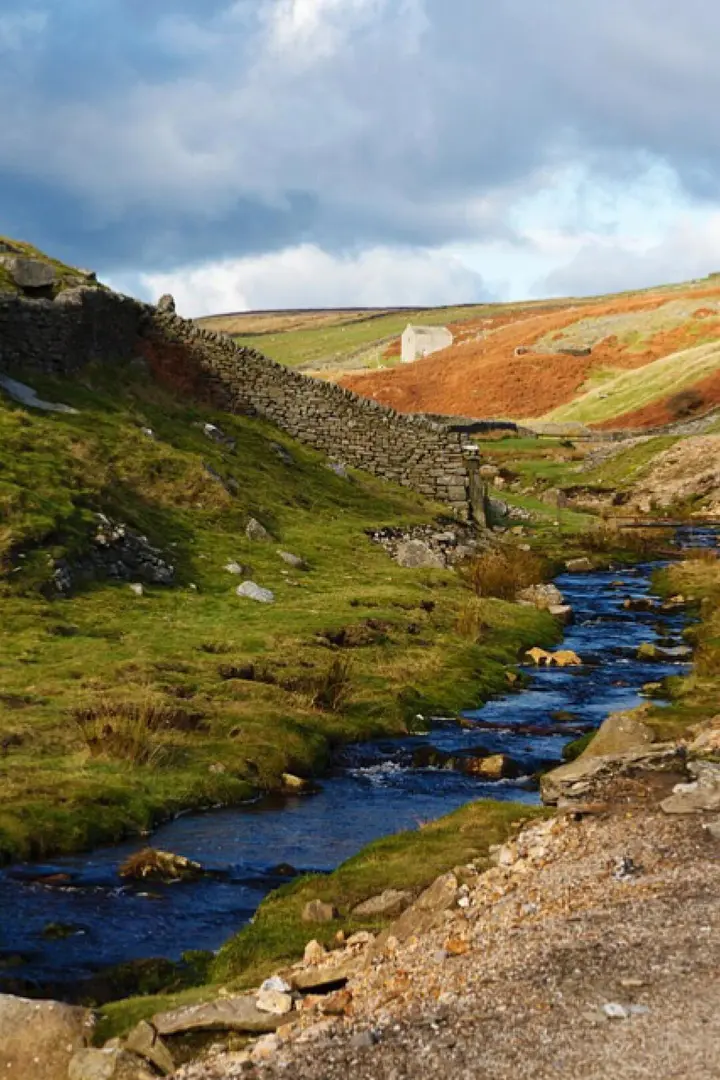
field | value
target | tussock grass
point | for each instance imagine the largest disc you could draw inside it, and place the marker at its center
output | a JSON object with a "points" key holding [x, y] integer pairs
{"points": [[503, 573]]}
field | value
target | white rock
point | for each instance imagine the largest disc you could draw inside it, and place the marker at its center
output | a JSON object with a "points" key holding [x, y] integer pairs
{"points": [[274, 1001], [276, 983], [252, 591], [265, 1048], [314, 953], [137, 588], [615, 1011], [234, 568]]}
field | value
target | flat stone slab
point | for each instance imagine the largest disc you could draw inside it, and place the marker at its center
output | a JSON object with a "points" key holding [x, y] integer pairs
{"points": [[29, 273], [25, 395], [226, 1014], [316, 978]]}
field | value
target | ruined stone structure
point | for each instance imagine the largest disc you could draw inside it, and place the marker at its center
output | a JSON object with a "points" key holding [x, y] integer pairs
{"points": [[92, 324]]}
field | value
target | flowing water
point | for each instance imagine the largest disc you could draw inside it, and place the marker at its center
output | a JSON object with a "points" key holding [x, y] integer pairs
{"points": [[373, 790]]}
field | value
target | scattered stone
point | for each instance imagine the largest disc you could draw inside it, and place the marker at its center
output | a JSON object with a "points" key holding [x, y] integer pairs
{"points": [[319, 912], [563, 612], [337, 1004], [387, 904], [235, 568], [662, 655], [255, 531], [416, 554], [297, 784], [275, 1002], [225, 1014], [109, 1063], [333, 972], [293, 560], [137, 588], [265, 1049], [615, 1011], [562, 658], [144, 1041], [542, 597], [360, 938], [253, 591], [578, 566], [314, 953], [339, 469], [640, 603], [46, 1033], [275, 984]]}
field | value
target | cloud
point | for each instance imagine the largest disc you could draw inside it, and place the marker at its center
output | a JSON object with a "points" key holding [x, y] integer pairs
{"points": [[181, 133], [307, 277], [19, 28]]}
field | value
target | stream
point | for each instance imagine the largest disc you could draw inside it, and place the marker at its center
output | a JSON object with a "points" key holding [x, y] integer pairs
{"points": [[373, 790]]}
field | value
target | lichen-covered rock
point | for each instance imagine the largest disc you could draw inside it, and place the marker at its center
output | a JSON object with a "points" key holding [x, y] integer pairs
{"points": [[255, 531], [29, 273], [38, 1038], [416, 554], [387, 904], [227, 1014], [319, 912], [109, 1063], [252, 591]]}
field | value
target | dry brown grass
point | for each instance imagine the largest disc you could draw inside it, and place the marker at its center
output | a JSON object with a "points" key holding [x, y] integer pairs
{"points": [[131, 731], [502, 574], [470, 623], [332, 687]]}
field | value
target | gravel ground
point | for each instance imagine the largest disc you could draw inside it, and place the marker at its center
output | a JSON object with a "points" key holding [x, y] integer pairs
{"points": [[612, 914]]}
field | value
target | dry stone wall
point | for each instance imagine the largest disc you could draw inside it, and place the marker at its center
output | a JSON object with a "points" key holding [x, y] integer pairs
{"points": [[82, 325], [411, 450]]}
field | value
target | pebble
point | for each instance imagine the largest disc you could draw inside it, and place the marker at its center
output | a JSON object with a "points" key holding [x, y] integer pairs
{"points": [[615, 1011]]}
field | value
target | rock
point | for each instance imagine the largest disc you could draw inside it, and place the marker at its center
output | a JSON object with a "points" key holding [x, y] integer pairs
{"points": [[226, 1014], [235, 568], [332, 973], [39, 1038], [416, 554], [252, 591], [166, 304], [314, 953], [542, 597], [640, 603], [578, 566], [339, 469], [296, 784], [418, 919], [619, 732], [107, 1064], [319, 912], [265, 1049], [144, 1041], [707, 741], [577, 778], [562, 658], [293, 560], [563, 612], [661, 655], [495, 767], [615, 1011], [387, 904], [364, 1040], [701, 794], [337, 1004], [29, 273], [255, 531], [153, 865], [360, 938], [497, 511], [137, 588], [275, 983], [275, 1002]]}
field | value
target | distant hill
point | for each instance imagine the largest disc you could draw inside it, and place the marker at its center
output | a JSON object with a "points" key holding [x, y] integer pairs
{"points": [[631, 360]]}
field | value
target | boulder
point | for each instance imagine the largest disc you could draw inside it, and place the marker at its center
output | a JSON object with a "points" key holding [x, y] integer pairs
{"points": [[29, 273], [563, 612], [296, 784], [152, 865], [227, 1014], [701, 794], [255, 531], [707, 740], [578, 778], [39, 1038], [295, 561], [335, 972], [166, 304], [497, 511], [418, 919], [662, 655], [578, 566], [387, 904], [275, 1002], [253, 591], [144, 1041], [543, 597], [319, 912], [416, 554], [107, 1064], [494, 767], [621, 731], [640, 603]]}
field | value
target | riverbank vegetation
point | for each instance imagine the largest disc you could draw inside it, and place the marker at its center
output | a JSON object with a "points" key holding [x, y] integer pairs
{"points": [[121, 706]]}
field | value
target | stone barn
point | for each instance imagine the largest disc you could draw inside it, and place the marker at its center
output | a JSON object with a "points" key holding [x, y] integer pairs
{"points": [[418, 341]]}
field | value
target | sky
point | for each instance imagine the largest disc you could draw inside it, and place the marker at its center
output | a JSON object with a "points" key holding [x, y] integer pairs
{"points": [[307, 153]]}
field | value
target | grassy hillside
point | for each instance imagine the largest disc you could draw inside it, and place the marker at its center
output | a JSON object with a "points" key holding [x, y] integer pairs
{"points": [[116, 709]]}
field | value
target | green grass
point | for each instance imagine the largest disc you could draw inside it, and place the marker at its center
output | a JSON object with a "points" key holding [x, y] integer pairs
{"points": [[277, 936], [168, 653], [632, 390]]}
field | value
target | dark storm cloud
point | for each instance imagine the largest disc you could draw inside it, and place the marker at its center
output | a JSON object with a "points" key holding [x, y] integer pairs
{"points": [[164, 132]]}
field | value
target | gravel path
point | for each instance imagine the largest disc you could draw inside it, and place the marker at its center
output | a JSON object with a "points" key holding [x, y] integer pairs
{"points": [[592, 954]]}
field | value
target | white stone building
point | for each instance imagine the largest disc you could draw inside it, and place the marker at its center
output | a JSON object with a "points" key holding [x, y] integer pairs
{"points": [[418, 341]]}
